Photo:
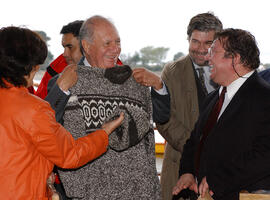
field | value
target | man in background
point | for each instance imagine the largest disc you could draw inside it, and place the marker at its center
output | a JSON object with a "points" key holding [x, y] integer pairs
{"points": [[71, 55], [188, 82]]}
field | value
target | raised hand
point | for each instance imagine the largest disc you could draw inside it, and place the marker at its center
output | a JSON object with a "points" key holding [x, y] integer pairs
{"points": [[68, 77], [147, 78]]}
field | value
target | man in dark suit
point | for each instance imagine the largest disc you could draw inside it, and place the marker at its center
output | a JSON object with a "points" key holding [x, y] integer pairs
{"points": [[233, 153]]}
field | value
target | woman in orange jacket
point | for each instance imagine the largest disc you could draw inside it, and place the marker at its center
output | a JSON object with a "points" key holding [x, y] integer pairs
{"points": [[32, 142]]}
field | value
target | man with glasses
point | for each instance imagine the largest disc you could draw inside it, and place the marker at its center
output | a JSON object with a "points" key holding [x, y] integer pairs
{"points": [[229, 147]]}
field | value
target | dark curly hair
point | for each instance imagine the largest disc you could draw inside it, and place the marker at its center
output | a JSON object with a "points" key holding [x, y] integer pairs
{"points": [[237, 41], [20, 50]]}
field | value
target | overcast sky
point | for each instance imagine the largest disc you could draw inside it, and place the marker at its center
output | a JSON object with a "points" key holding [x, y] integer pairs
{"points": [[140, 22]]}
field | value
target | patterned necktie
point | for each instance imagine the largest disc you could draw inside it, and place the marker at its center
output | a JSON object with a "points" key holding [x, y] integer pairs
{"points": [[201, 78], [211, 121]]}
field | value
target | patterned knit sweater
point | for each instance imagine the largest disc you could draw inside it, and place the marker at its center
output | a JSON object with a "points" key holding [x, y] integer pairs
{"points": [[127, 170]]}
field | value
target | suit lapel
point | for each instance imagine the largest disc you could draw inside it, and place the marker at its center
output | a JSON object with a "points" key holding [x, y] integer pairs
{"points": [[207, 107], [239, 98]]}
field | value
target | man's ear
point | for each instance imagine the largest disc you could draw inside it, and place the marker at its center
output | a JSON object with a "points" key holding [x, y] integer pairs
{"points": [[237, 59], [85, 46]]}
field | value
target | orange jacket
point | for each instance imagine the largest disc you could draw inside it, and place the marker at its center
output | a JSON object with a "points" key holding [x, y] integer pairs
{"points": [[32, 142]]}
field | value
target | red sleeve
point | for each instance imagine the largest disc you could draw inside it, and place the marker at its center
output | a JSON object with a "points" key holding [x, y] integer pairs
{"points": [[58, 66], [42, 88], [119, 62]]}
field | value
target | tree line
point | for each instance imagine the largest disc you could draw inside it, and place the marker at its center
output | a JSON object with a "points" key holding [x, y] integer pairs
{"points": [[152, 58]]}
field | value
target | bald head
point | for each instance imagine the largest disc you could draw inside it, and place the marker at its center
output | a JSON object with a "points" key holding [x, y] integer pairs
{"points": [[100, 42], [89, 26]]}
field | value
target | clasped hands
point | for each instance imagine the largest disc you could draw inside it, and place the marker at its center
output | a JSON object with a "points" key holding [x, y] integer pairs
{"points": [[188, 181]]}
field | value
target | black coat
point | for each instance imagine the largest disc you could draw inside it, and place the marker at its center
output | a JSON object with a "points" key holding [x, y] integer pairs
{"points": [[236, 154]]}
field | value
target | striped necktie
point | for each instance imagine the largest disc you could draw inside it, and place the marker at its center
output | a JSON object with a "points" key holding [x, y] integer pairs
{"points": [[202, 80]]}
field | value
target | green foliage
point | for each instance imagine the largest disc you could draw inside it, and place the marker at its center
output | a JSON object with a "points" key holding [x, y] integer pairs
{"points": [[177, 56], [130, 60], [153, 56], [149, 57], [50, 57]]}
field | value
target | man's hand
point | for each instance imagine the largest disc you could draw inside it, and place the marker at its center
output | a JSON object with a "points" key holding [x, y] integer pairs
{"points": [[110, 126], [185, 181], [68, 77], [147, 78], [204, 188]]}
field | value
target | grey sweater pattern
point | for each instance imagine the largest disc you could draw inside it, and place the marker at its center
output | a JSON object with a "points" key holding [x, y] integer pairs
{"points": [[127, 170]]}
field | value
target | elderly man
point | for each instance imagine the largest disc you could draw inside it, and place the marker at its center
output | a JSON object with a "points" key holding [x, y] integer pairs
{"points": [[229, 148], [58, 93], [127, 170]]}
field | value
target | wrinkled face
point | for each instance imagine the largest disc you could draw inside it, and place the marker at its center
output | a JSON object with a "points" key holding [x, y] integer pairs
{"points": [[71, 46], [199, 43], [105, 48], [222, 71]]}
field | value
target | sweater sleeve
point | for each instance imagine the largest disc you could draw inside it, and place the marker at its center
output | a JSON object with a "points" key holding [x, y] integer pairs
{"points": [[57, 144]]}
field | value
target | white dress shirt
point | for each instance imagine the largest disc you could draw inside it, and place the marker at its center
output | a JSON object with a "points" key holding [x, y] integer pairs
{"points": [[232, 89]]}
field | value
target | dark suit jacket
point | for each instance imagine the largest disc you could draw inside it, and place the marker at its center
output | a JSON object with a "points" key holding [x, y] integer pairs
{"points": [[58, 100], [265, 74], [236, 154]]}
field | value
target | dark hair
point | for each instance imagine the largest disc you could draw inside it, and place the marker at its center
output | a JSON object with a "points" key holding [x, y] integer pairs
{"points": [[237, 41], [72, 27], [20, 50], [204, 22]]}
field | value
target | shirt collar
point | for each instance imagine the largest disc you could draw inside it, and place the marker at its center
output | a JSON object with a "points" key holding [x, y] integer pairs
{"points": [[197, 66], [86, 63], [235, 85]]}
